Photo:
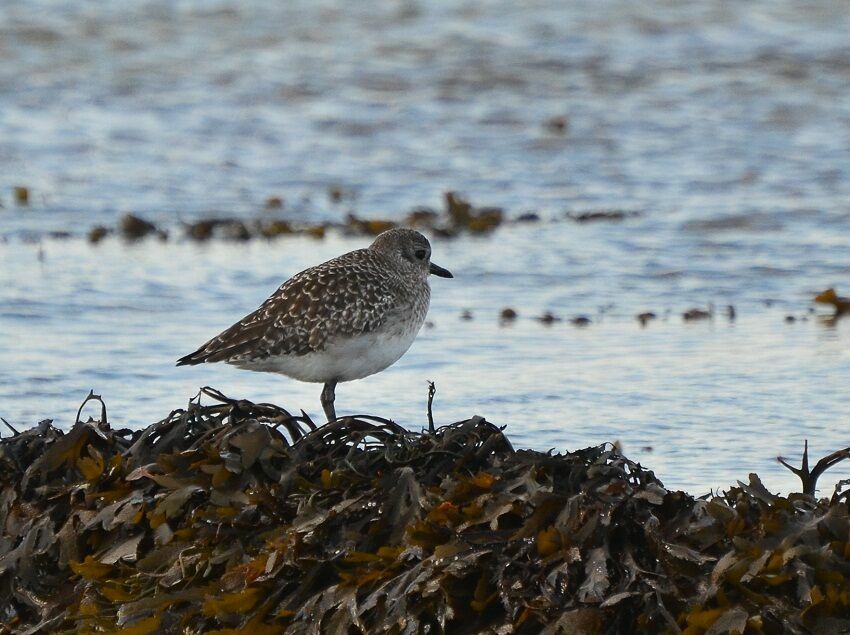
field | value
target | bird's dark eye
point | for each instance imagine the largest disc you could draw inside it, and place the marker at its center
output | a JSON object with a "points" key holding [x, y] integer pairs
{"points": [[420, 254]]}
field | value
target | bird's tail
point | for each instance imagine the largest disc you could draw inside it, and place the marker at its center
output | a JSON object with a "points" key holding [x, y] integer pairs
{"points": [[193, 359]]}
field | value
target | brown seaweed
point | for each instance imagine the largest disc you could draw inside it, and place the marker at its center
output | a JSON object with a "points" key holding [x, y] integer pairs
{"points": [[236, 517]]}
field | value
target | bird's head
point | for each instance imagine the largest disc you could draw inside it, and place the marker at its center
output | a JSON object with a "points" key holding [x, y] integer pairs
{"points": [[410, 249]]}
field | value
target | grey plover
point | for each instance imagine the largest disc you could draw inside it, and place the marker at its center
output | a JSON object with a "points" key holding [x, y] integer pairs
{"points": [[344, 319]]}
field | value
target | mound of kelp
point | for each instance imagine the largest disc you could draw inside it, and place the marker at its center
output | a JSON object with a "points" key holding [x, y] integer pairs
{"points": [[238, 517]]}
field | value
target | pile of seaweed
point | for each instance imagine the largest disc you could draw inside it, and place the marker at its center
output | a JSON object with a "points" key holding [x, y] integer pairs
{"points": [[236, 517]]}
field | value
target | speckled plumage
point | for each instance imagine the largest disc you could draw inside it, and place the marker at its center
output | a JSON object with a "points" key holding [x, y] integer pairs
{"points": [[344, 319]]}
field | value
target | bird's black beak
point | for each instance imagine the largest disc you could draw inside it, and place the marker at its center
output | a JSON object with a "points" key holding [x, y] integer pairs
{"points": [[439, 271]]}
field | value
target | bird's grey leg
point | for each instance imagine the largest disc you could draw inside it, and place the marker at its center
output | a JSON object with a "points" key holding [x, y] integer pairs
{"points": [[328, 396]]}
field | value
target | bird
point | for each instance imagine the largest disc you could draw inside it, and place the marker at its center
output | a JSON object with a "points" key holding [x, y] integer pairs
{"points": [[342, 320]]}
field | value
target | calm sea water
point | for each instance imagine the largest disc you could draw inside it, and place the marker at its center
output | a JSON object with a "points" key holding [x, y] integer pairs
{"points": [[727, 127]]}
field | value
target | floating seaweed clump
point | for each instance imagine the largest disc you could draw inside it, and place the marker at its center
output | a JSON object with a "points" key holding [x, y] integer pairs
{"points": [[842, 305], [237, 517]]}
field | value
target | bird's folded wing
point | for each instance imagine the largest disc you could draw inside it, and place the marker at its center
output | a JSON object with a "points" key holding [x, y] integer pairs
{"points": [[337, 298]]}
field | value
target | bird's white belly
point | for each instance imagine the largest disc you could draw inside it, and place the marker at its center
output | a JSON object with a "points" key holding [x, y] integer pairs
{"points": [[343, 359]]}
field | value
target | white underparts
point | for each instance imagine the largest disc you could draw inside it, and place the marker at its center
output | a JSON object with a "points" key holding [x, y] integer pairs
{"points": [[343, 359]]}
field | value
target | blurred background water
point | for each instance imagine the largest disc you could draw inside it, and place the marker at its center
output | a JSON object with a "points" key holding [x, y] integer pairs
{"points": [[725, 126]]}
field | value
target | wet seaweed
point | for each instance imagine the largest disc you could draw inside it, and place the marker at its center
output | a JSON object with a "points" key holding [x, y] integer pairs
{"points": [[841, 305], [236, 517]]}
